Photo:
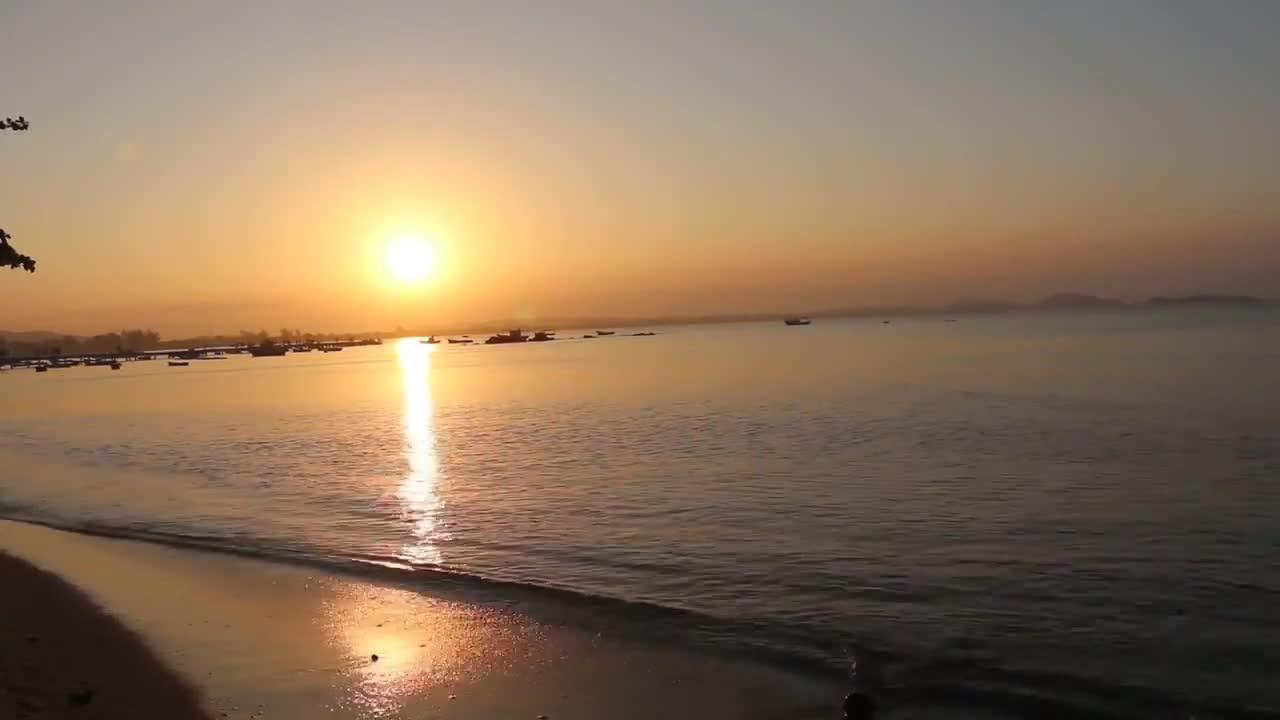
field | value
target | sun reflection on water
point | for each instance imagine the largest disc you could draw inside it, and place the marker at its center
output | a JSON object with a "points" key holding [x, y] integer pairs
{"points": [[419, 496]]}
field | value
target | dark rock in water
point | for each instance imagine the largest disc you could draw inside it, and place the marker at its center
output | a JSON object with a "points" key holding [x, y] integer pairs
{"points": [[858, 706], [82, 698], [374, 657]]}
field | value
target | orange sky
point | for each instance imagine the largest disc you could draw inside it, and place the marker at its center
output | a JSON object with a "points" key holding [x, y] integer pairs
{"points": [[206, 169]]}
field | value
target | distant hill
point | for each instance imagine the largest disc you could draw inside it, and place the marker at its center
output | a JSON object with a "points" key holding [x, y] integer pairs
{"points": [[1203, 299], [981, 306], [1078, 301]]}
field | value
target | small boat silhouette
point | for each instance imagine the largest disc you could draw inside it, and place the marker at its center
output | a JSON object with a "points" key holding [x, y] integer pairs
{"points": [[267, 348], [510, 336]]}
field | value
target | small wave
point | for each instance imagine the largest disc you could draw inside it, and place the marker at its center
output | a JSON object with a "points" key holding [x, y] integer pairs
{"points": [[543, 599], [962, 686]]}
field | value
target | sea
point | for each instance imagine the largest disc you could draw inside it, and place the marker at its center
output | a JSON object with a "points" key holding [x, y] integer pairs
{"points": [[1036, 514]]}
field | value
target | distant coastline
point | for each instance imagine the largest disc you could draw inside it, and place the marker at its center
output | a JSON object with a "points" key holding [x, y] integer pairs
{"points": [[1058, 302]]}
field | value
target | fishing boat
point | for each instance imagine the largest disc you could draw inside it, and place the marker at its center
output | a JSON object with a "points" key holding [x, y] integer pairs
{"points": [[179, 363], [433, 340], [115, 366], [543, 336], [603, 333], [330, 348], [266, 349], [42, 368], [461, 341], [797, 321], [510, 336]]}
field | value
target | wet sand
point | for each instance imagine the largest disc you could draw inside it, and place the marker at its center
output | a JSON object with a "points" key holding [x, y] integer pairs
{"points": [[61, 656], [266, 640]]}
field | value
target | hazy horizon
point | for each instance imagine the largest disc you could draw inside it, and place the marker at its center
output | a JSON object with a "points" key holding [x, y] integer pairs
{"points": [[202, 168], [1055, 303]]}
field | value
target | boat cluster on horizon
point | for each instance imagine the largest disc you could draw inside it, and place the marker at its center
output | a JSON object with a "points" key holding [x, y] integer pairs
{"points": [[519, 336], [267, 348], [181, 357], [60, 364]]}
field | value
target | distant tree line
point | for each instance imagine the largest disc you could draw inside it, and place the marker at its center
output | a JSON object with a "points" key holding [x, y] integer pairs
{"points": [[9, 255], [133, 341], [287, 335], [125, 341], [251, 337]]}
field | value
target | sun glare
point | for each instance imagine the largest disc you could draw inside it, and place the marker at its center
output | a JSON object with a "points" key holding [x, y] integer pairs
{"points": [[410, 259]]}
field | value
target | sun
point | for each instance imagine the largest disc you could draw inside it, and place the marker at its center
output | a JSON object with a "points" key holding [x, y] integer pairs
{"points": [[410, 259]]}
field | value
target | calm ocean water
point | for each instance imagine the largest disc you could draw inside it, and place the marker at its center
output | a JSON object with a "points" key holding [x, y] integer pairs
{"points": [[1045, 515]]}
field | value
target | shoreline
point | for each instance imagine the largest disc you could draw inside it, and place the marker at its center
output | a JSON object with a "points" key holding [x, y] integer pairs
{"points": [[968, 309], [61, 655], [688, 631], [260, 639]]}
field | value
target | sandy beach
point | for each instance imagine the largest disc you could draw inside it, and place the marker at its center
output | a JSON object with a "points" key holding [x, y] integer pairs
{"points": [[258, 639], [61, 656]]}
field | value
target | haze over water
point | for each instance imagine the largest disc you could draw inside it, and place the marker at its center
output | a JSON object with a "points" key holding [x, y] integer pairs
{"points": [[1021, 514], [210, 167]]}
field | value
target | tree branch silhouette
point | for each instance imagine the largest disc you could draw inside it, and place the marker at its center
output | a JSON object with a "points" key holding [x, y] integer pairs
{"points": [[9, 255]]}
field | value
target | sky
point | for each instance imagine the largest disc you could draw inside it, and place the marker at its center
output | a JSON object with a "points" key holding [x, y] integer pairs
{"points": [[202, 167]]}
